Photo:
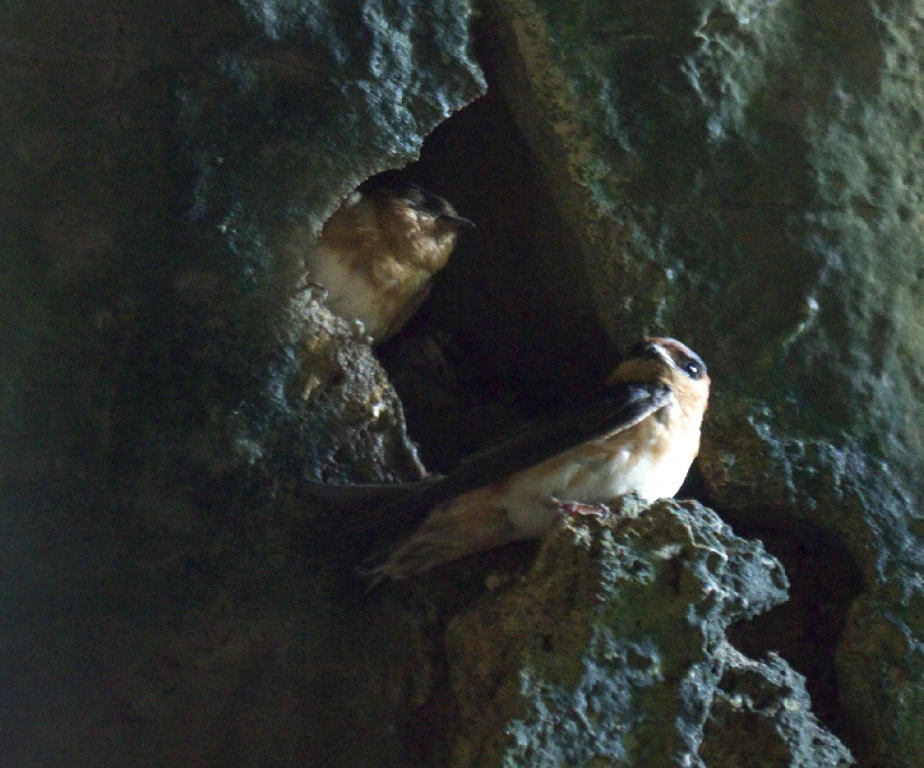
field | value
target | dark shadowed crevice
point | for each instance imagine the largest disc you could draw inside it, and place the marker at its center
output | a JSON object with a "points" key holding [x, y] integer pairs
{"points": [[508, 329], [805, 631]]}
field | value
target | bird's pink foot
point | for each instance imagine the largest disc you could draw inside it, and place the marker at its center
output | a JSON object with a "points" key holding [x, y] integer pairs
{"points": [[574, 508], [309, 285]]}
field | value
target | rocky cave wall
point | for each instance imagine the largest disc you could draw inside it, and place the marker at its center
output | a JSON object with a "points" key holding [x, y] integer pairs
{"points": [[746, 176]]}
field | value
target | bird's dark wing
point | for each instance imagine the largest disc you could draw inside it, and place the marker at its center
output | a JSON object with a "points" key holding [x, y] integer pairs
{"points": [[407, 312], [614, 410], [617, 408]]}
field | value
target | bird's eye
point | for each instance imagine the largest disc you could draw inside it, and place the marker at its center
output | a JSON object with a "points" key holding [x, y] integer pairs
{"points": [[693, 369]]}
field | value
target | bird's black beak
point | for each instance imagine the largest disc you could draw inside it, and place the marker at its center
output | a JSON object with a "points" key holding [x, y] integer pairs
{"points": [[457, 221]]}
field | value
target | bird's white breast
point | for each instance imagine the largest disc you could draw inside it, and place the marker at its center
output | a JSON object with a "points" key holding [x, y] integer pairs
{"points": [[650, 459], [350, 293]]}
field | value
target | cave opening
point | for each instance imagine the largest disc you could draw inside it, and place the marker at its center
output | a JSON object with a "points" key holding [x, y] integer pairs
{"points": [[509, 329], [805, 630], [824, 581]]}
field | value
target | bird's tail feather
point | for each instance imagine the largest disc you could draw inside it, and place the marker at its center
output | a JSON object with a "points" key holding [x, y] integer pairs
{"points": [[452, 531]]}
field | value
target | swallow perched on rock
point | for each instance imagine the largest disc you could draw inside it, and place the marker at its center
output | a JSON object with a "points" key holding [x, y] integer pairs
{"points": [[641, 435], [377, 253]]}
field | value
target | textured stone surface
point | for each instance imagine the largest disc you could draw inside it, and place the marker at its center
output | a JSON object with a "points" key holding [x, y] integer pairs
{"points": [[155, 180], [765, 703], [746, 176], [167, 377], [612, 652], [860, 503]]}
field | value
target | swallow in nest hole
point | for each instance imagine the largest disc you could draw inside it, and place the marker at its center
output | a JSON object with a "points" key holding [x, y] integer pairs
{"points": [[377, 253]]}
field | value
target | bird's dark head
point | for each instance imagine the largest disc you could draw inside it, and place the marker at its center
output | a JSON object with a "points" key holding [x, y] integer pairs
{"points": [[668, 361], [420, 224], [430, 205], [672, 352]]}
